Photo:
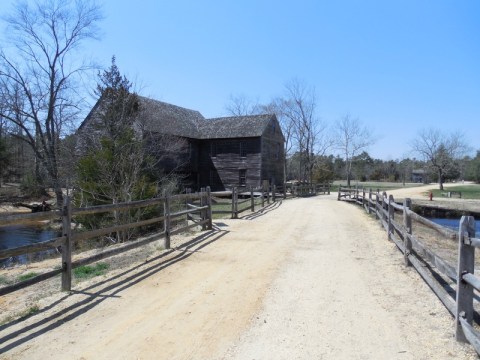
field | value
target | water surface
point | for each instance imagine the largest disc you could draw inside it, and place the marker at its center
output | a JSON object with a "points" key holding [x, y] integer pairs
{"points": [[454, 224], [14, 236]]}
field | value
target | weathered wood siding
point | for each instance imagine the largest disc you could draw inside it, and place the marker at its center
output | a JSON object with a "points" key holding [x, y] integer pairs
{"points": [[272, 151], [221, 162]]}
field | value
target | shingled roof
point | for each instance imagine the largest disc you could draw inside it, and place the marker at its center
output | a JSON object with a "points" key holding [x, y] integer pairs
{"points": [[158, 116], [234, 126], [170, 119]]}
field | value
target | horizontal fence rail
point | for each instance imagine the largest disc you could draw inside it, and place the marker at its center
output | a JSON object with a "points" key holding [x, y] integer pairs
{"points": [[418, 255]]}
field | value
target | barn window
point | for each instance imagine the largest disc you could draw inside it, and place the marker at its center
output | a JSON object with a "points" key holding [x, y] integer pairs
{"points": [[243, 149], [242, 177]]}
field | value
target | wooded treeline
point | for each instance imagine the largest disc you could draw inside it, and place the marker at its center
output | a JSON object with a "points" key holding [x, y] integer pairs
{"points": [[365, 168]]}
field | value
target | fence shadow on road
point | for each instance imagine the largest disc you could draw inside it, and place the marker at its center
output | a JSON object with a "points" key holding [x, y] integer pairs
{"points": [[262, 211], [105, 289]]}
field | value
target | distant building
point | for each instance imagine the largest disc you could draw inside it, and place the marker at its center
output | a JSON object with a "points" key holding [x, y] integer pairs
{"points": [[239, 151], [419, 176]]}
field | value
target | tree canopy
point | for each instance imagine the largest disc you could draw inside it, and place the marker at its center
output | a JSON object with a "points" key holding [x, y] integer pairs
{"points": [[441, 151]]}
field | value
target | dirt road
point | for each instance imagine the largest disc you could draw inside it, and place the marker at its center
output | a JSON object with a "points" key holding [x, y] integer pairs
{"points": [[310, 278]]}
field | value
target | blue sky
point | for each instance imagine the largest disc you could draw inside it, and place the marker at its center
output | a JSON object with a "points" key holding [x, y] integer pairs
{"points": [[399, 65]]}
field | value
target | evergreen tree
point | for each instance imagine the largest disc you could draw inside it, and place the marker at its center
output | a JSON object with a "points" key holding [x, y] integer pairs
{"points": [[114, 170]]}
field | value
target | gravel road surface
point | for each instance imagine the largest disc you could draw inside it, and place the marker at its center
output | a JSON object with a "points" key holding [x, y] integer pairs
{"points": [[309, 278]]}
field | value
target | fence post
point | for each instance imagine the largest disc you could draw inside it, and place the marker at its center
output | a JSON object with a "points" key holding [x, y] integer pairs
{"points": [[187, 192], [377, 205], [67, 246], [407, 226], [234, 203], [284, 190], [466, 264], [328, 189], [252, 201], [263, 196], [209, 209], [369, 200], [274, 193], [391, 215], [268, 195], [339, 191], [203, 202], [363, 198], [384, 206], [166, 213]]}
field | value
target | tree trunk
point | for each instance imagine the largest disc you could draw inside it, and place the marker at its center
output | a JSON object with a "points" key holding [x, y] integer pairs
{"points": [[58, 192], [440, 179]]}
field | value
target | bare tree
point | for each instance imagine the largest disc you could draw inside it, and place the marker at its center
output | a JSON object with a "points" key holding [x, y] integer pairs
{"points": [[351, 139], [439, 150], [241, 105], [305, 134], [308, 134], [38, 75]]}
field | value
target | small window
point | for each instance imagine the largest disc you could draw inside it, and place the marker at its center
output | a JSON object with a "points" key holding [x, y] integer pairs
{"points": [[213, 149], [243, 149], [242, 177]]}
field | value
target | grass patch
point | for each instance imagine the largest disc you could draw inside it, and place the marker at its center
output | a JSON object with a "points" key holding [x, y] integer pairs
{"points": [[374, 185], [27, 276], [88, 271], [468, 191]]}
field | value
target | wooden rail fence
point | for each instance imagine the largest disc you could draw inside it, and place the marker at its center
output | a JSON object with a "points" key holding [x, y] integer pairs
{"points": [[198, 211], [237, 200], [418, 255]]}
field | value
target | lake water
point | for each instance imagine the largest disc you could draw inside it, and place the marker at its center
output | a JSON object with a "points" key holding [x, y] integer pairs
{"points": [[454, 224], [20, 235]]}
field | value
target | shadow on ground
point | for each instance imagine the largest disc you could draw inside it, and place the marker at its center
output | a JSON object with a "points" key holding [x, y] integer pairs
{"points": [[263, 211], [105, 289]]}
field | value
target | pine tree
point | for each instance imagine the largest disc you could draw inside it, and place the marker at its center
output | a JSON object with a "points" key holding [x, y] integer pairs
{"points": [[114, 169]]}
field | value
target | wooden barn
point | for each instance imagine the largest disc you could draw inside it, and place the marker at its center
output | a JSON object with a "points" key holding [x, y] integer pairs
{"points": [[239, 151]]}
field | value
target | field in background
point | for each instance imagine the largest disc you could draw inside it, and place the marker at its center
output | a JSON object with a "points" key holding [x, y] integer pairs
{"points": [[374, 185], [470, 191]]}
